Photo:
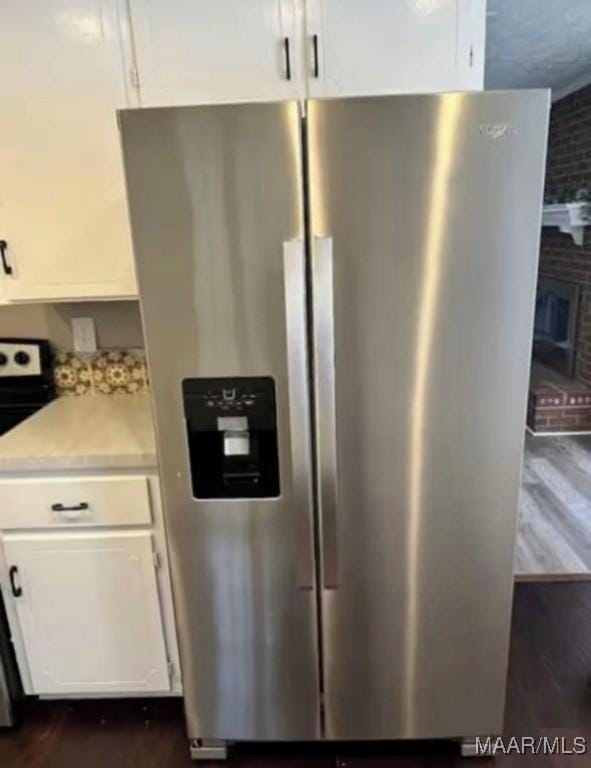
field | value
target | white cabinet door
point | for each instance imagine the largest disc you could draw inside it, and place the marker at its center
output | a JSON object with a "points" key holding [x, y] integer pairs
{"points": [[89, 612], [62, 199], [3, 287], [362, 47], [206, 51]]}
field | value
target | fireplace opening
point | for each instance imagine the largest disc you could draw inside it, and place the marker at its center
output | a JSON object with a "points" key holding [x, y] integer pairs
{"points": [[557, 303]]}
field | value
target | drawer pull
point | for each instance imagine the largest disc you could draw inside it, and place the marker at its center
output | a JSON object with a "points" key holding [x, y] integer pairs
{"points": [[16, 590], [73, 508]]}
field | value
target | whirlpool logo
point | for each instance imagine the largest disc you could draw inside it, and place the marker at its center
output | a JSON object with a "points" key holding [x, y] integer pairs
{"points": [[496, 130]]}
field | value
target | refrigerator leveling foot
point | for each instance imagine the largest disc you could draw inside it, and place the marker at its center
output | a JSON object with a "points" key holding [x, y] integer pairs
{"points": [[208, 749], [476, 747]]}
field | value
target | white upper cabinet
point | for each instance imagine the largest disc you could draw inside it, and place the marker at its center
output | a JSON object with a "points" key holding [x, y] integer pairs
{"points": [[363, 47], [62, 200], [206, 51], [66, 66], [89, 612]]}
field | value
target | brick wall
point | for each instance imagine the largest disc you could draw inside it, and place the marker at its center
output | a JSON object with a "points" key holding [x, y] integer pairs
{"points": [[569, 168]]}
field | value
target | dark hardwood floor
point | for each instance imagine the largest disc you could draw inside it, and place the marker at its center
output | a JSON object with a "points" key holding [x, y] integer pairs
{"points": [[549, 693]]}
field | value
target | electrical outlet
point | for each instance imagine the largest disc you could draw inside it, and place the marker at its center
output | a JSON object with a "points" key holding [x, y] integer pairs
{"points": [[84, 334]]}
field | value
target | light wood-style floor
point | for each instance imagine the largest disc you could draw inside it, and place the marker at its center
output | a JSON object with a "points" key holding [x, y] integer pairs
{"points": [[554, 533]]}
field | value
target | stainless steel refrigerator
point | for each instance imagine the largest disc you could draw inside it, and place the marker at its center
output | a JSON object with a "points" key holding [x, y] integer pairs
{"points": [[338, 302]]}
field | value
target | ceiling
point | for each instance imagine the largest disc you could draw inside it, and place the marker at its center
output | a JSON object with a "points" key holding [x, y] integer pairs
{"points": [[538, 44]]}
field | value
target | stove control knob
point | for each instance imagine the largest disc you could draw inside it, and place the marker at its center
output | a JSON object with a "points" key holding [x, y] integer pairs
{"points": [[21, 358], [3, 359]]}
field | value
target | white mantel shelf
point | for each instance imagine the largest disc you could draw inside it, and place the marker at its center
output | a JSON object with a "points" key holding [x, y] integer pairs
{"points": [[571, 218]]}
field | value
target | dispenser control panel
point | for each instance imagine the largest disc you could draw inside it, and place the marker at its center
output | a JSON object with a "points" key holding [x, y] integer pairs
{"points": [[232, 435], [208, 399]]}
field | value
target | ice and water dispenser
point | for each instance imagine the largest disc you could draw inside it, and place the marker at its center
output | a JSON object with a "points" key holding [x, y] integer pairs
{"points": [[232, 434]]}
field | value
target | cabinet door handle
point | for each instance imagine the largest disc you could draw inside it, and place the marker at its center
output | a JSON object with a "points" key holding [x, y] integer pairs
{"points": [[73, 508], [5, 265], [287, 53], [315, 61], [16, 590]]}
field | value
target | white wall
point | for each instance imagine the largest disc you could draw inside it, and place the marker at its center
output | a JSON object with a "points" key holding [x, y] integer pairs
{"points": [[118, 323]]}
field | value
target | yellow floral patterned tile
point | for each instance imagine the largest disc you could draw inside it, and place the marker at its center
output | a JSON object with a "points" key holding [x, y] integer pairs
{"points": [[107, 372], [119, 372], [72, 374]]}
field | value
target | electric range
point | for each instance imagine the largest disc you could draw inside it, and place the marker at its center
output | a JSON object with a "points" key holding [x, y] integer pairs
{"points": [[26, 379]]}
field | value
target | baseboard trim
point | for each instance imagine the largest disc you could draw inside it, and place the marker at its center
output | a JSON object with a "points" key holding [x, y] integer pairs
{"points": [[546, 577], [555, 434]]}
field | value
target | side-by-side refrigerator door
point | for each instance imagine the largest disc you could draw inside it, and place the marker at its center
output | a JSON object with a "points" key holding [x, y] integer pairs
{"points": [[215, 198], [425, 217]]}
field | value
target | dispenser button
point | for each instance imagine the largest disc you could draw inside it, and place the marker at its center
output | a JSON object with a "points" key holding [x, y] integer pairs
{"points": [[236, 443], [229, 394], [232, 423]]}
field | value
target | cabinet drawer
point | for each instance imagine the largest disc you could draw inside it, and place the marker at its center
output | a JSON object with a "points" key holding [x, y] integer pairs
{"points": [[67, 502]]}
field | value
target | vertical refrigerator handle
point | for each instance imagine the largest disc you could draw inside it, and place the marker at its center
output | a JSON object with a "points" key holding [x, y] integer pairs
{"points": [[294, 273], [322, 273]]}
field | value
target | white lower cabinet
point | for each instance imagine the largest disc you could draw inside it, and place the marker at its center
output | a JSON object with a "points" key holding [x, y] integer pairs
{"points": [[89, 612]]}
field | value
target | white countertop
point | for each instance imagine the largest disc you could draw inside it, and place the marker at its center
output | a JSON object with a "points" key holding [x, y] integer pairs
{"points": [[80, 433]]}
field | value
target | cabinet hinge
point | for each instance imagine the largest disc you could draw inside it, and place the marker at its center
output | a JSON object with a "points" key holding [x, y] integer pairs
{"points": [[156, 557], [471, 56], [135, 77]]}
